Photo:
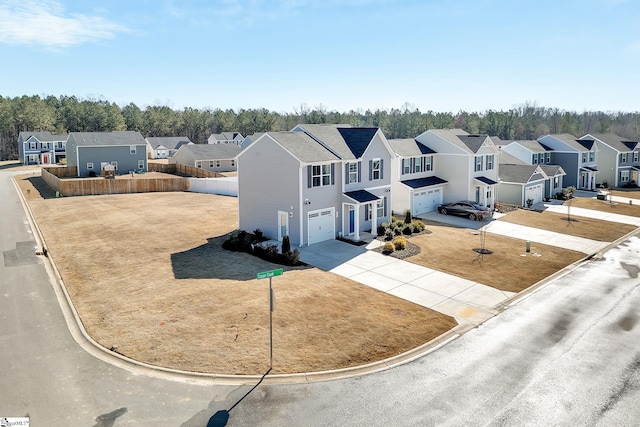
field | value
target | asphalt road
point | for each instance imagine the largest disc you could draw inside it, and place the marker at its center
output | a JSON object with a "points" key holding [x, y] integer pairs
{"points": [[566, 355]]}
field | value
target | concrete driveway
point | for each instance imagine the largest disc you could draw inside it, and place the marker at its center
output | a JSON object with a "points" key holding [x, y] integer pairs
{"points": [[470, 303]]}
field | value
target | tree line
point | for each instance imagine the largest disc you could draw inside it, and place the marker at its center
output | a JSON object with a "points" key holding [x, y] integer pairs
{"points": [[64, 114]]}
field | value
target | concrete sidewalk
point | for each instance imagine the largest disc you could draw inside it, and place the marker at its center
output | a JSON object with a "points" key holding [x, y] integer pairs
{"points": [[468, 302]]}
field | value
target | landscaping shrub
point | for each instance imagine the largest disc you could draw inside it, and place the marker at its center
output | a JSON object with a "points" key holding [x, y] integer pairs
{"points": [[400, 243], [257, 233], [389, 234], [394, 219], [292, 257], [418, 226], [407, 230], [388, 248], [407, 216], [382, 228], [286, 245]]}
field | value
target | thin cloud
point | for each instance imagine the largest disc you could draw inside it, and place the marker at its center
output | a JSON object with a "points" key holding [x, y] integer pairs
{"points": [[44, 23]]}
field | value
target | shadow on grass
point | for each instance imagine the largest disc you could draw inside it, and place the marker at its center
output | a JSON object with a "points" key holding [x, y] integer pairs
{"points": [[211, 261], [41, 187]]}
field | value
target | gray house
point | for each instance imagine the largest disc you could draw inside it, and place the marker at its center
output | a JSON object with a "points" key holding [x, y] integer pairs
{"points": [[162, 147], [212, 157], [226, 138], [41, 148], [315, 182], [577, 157], [618, 159], [94, 152]]}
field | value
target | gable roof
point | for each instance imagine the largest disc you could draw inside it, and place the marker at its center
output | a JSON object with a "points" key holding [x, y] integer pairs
{"points": [[505, 158], [170, 142], [569, 140], [461, 139], [226, 136], [409, 147], [533, 145], [614, 141], [114, 138], [329, 136], [44, 136], [357, 139], [521, 174], [302, 146], [552, 170], [212, 151]]}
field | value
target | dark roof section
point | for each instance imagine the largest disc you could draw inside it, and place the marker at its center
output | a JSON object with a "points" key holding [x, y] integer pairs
{"points": [[486, 180], [586, 143], [545, 147], [424, 182], [631, 145], [361, 196], [590, 168], [409, 147], [357, 139], [474, 142]]}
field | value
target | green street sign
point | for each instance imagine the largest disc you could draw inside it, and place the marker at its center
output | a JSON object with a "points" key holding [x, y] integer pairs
{"points": [[268, 274]]}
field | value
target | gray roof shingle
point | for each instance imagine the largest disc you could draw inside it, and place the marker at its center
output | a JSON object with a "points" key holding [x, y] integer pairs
{"points": [[107, 138], [170, 142], [212, 151], [303, 147], [409, 148]]}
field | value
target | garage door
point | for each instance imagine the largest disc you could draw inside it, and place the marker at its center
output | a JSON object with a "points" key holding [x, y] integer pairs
{"points": [[534, 193], [426, 201], [321, 225]]}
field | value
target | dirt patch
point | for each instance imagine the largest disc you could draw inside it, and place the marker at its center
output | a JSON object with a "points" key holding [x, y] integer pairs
{"points": [[508, 267], [149, 278], [589, 228]]}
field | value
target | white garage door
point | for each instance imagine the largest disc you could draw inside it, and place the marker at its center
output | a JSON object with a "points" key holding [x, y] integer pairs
{"points": [[534, 193], [321, 225], [426, 201]]}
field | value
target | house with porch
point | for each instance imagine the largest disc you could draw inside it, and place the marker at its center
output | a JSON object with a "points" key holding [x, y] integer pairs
{"points": [[468, 164], [41, 148], [618, 159], [95, 152], [315, 182], [578, 158]]}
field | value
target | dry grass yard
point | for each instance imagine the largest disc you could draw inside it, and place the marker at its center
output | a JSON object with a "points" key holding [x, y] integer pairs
{"points": [[606, 206], [148, 276], [451, 249], [604, 231]]}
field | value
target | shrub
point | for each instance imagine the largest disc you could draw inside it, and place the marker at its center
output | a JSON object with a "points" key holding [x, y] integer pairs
{"points": [[394, 219], [569, 192], [407, 230], [400, 243], [407, 216], [398, 230], [388, 248], [286, 245], [258, 234], [382, 228], [418, 225], [292, 257], [388, 235]]}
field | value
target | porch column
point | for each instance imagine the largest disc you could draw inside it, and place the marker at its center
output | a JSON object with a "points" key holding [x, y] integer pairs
{"points": [[374, 217], [356, 231]]}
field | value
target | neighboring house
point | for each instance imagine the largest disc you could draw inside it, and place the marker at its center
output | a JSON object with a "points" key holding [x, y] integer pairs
{"points": [[226, 138], [162, 147], [577, 158], [250, 139], [315, 182], [521, 182], [94, 152], [530, 152], [618, 159], [414, 183], [41, 148], [212, 157], [468, 163]]}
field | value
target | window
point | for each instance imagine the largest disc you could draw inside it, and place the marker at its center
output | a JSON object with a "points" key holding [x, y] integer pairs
{"points": [[635, 157], [592, 156], [489, 162], [321, 175], [624, 176], [556, 182], [140, 164], [233, 163], [417, 164], [428, 164], [115, 165], [478, 167], [380, 208], [32, 145], [199, 164], [352, 170], [584, 157], [217, 163], [406, 166], [548, 158], [623, 157], [376, 169], [132, 149], [90, 166], [534, 159], [541, 158], [368, 215]]}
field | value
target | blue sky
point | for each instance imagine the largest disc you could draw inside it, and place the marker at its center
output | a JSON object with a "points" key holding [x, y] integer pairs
{"points": [[440, 55]]}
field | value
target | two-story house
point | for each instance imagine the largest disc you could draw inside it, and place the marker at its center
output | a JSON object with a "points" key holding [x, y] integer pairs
{"points": [[618, 159], [413, 181], [315, 182], [226, 138], [94, 152], [468, 163], [41, 148], [163, 147], [577, 157]]}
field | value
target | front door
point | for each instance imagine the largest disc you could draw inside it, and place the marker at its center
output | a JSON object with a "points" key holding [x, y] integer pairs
{"points": [[352, 220], [283, 224]]}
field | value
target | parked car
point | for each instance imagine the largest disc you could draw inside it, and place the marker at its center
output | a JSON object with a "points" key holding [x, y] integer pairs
{"points": [[471, 210]]}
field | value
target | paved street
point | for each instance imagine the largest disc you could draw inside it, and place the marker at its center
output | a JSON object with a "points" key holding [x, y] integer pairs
{"points": [[564, 355]]}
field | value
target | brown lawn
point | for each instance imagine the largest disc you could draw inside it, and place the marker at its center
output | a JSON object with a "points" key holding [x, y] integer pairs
{"points": [[606, 206], [451, 249], [604, 231], [148, 277]]}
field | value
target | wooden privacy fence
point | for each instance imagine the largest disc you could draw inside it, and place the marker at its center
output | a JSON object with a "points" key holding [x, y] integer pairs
{"points": [[122, 185], [179, 169]]}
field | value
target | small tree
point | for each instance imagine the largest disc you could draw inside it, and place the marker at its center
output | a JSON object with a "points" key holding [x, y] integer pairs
{"points": [[407, 216], [286, 245]]}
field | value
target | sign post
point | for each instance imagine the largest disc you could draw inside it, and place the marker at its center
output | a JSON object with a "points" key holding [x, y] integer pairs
{"points": [[269, 275]]}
